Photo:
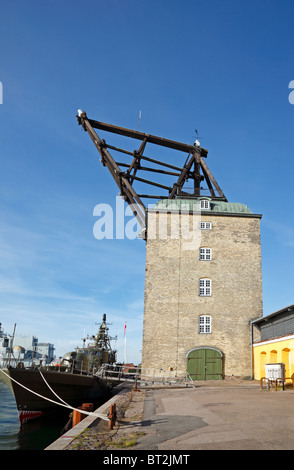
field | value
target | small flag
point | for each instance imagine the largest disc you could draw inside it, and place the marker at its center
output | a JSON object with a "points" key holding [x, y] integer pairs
{"points": [[125, 328], [139, 120]]}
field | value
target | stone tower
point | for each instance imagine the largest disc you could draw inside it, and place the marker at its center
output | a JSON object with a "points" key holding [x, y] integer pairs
{"points": [[203, 283], [203, 287]]}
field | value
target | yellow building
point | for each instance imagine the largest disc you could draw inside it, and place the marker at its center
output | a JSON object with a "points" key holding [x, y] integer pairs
{"points": [[274, 342]]}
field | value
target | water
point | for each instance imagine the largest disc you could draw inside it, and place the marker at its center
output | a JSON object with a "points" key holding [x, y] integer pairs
{"points": [[9, 423], [34, 435]]}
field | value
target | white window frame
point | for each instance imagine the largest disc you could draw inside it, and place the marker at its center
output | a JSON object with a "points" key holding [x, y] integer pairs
{"points": [[204, 204], [205, 226], [205, 254], [204, 324], [205, 287]]}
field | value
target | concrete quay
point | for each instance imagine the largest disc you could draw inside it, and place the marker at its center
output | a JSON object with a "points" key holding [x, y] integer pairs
{"points": [[230, 417], [212, 416], [68, 438]]}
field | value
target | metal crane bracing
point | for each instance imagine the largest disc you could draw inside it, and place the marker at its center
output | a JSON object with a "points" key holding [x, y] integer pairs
{"points": [[194, 168]]}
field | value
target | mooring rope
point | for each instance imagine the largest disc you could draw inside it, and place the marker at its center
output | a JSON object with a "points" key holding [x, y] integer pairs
{"points": [[97, 415], [52, 389]]}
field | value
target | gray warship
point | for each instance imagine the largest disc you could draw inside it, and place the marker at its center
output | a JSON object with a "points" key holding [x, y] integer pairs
{"points": [[84, 375]]}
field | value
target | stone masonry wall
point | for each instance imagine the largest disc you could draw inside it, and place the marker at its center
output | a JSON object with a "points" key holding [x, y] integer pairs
{"points": [[172, 301]]}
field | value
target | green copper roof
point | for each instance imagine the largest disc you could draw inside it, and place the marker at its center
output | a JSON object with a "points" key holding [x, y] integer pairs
{"points": [[191, 204]]}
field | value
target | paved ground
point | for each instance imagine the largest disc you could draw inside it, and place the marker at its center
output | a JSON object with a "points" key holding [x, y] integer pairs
{"points": [[211, 416], [236, 417]]}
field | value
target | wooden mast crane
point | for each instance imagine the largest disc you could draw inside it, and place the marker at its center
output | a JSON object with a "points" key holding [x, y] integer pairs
{"points": [[194, 169]]}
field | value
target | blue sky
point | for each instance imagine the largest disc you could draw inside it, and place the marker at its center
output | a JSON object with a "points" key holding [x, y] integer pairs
{"points": [[221, 67]]}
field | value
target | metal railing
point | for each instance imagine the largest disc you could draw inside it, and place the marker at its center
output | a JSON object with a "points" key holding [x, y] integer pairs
{"points": [[144, 376], [274, 382]]}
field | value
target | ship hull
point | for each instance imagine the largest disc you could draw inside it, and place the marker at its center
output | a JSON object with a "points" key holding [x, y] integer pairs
{"points": [[73, 389]]}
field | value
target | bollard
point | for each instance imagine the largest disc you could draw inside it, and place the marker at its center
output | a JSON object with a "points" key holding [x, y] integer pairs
{"points": [[112, 416], [78, 416], [136, 387]]}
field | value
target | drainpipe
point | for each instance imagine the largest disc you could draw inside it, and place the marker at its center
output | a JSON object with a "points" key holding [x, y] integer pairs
{"points": [[251, 349], [251, 340]]}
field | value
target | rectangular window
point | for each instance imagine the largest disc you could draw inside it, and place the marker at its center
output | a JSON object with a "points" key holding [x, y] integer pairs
{"points": [[204, 204], [205, 254], [205, 225], [204, 287], [205, 324]]}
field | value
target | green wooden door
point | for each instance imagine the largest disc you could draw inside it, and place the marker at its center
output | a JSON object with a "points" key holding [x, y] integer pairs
{"points": [[196, 364], [205, 364]]}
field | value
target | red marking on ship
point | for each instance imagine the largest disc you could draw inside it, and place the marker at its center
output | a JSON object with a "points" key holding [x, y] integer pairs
{"points": [[25, 416]]}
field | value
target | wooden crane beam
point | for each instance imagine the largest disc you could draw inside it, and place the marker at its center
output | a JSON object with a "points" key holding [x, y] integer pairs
{"points": [[192, 168]]}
